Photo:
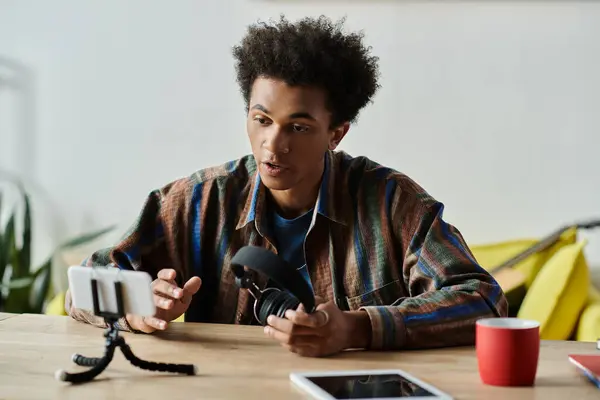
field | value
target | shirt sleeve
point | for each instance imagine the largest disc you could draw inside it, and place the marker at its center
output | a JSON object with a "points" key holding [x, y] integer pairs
{"points": [[150, 245], [448, 290]]}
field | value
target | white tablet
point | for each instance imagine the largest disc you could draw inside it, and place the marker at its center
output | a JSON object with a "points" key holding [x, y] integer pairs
{"points": [[365, 384]]}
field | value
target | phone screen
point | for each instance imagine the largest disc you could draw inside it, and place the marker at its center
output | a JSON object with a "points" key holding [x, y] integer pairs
{"points": [[369, 386]]}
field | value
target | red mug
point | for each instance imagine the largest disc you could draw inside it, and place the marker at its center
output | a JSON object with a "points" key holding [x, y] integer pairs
{"points": [[507, 351]]}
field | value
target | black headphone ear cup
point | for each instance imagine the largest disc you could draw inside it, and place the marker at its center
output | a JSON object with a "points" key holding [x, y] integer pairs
{"points": [[275, 302], [290, 303], [263, 305]]}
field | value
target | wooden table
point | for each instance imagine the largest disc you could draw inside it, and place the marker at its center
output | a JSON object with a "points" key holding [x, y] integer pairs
{"points": [[4, 316], [238, 362]]}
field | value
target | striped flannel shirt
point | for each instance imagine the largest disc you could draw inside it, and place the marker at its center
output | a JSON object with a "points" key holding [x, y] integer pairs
{"points": [[377, 242]]}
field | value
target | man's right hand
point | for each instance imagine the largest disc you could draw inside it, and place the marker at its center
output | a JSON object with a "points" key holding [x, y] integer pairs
{"points": [[171, 301]]}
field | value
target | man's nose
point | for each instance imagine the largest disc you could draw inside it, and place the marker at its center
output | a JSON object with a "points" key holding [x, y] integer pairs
{"points": [[276, 140]]}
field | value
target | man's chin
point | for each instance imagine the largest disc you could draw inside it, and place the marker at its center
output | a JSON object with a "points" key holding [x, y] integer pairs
{"points": [[275, 183]]}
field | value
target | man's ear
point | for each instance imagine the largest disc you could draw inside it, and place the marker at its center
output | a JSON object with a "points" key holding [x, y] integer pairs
{"points": [[337, 134]]}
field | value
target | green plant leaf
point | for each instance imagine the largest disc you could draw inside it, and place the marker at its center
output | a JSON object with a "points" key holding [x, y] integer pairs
{"points": [[1, 238], [1, 217], [27, 295], [25, 253], [17, 300], [8, 245], [85, 238], [40, 270], [28, 289], [15, 259], [3, 261], [3, 254], [18, 283], [40, 293]]}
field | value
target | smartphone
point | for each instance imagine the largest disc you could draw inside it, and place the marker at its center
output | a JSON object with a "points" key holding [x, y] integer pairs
{"points": [[136, 289], [365, 384]]}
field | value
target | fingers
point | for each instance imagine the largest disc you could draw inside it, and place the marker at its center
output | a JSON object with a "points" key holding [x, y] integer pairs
{"points": [[280, 324], [146, 324], [291, 339], [289, 327], [308, 335], [190, 288], [193, 285], [318, 300], [165, 288], [317, 319], [155, 323], [304, 340], [167, 274], [163, 302], [137, 324], [166, 293]]}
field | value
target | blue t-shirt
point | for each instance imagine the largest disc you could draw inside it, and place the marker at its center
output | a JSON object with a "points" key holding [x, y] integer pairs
{"points": [[289, 235]]}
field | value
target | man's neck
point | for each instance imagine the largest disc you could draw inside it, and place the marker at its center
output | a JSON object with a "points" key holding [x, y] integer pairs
{"points": [[291, 206], [298, 200]]}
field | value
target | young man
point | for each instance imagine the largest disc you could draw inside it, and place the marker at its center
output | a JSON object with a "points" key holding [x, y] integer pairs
{"points": [[388, 271]]}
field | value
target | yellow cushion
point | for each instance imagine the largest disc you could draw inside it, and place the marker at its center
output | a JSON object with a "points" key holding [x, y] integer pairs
{"points": [[559, 293], [588, 328], [56, 306], [593, 295], [512, 283], [180, 319], [492, 255]]}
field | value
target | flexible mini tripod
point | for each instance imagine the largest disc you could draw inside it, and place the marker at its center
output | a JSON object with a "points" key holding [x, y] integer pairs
{"points": [[113, 340]]}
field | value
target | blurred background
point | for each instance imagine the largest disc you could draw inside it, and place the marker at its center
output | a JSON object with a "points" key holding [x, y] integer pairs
{"points": [[492, 106]]}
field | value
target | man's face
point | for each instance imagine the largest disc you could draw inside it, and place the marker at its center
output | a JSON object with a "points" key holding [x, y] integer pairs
{"points": [[289, 130]]}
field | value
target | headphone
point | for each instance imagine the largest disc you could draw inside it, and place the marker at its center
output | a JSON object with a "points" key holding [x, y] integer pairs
{"points": [[271, 301]]}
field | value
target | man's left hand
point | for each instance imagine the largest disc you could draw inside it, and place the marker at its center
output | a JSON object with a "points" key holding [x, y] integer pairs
{"points": [[327, 331]]}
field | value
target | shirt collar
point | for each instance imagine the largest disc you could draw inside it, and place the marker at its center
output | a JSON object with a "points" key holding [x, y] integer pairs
{"points": [[331, 203]]}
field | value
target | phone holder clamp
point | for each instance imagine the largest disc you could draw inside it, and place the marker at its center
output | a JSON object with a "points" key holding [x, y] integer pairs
{"points": [[113, 340]]}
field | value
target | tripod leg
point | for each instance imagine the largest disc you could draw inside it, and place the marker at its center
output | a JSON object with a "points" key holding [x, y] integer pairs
{"points": [[85, 376], [188, 369], [84, 361], [99, 364]]}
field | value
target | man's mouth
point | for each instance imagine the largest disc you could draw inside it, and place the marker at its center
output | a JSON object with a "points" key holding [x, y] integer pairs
{"points": [[274, 165], [274, 169]]}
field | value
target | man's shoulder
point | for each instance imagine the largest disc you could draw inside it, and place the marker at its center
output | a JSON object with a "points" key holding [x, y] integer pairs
{"points": [[237, 172], [361, 171], [242, 168]]}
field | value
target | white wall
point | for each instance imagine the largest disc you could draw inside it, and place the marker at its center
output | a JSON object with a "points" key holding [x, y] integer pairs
{"points": [[492, 106]]}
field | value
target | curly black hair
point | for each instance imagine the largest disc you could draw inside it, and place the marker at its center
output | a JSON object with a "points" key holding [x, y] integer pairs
{"points": [[311, 52]]}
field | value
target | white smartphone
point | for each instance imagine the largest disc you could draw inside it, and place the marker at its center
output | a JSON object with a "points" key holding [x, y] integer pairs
{"points": [[136, 290], [380, 384]]}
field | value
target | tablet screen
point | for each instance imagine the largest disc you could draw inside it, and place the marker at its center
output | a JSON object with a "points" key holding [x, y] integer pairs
{"points": [[369, 386]]}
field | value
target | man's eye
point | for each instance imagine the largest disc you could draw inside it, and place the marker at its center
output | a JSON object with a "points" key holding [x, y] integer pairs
{"points": [[300, 128], [261, 120]]}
